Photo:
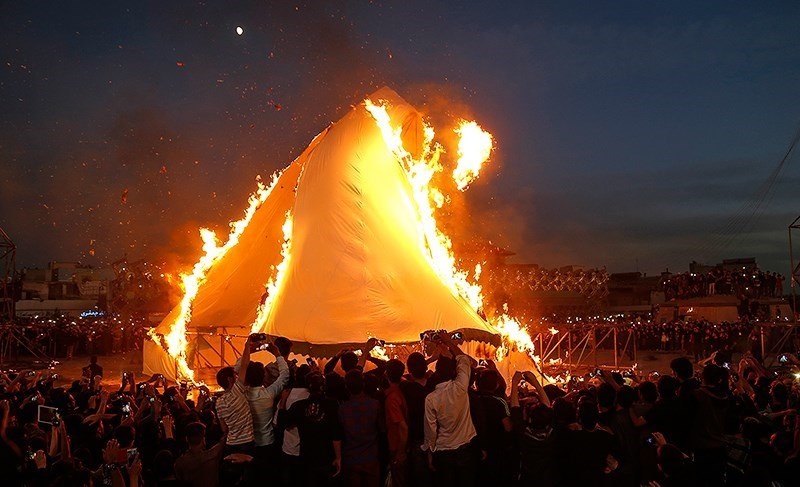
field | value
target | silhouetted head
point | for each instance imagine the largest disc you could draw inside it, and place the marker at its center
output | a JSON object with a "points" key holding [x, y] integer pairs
{"points": [[284, 346], [195, 433], [682, 367], [563, 411], [226, 377], [446, 368], [354, 380], [588, 415], [349, 361], [712, 375], [667, 387], [254, 376], [417, 366], [315, 383], [487, 381], [395, 370]]}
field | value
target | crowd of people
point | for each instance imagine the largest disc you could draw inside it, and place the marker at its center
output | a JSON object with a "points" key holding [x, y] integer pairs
{"points": [[749, 283], [63, 336], [436, 419], [694, 337]]}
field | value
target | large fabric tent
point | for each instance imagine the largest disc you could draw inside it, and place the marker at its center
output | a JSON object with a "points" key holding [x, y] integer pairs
{"points": [[357, 264]]}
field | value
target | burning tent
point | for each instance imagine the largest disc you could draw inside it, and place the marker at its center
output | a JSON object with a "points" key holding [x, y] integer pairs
{"points": [[341, 246]]}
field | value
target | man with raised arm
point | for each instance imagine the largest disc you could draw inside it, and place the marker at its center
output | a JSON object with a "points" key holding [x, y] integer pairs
{"points": [[232, 405], [448, 424], [263, 399]]}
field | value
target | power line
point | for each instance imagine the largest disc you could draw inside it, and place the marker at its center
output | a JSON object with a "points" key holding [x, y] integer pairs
{"points": [[742, 222]]}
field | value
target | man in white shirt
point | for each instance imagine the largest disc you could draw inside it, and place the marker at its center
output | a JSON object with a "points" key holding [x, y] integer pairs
{"points": [[448, 424], [262, 400], [233, 408]]}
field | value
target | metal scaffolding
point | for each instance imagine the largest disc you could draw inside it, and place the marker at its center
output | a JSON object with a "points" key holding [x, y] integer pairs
{"points": [[12, 337], [8, 256], [575, 348]]}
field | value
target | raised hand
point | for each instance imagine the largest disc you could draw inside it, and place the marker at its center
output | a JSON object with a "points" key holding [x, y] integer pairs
{"points": [[273, 349], [134, 470], [660, 440], [530, 377], [371, 343], [40, 459], [167, 422], [111, 452]]}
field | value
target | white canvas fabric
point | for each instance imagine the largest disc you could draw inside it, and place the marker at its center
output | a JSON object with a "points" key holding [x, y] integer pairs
{"points": [[357, 268]]}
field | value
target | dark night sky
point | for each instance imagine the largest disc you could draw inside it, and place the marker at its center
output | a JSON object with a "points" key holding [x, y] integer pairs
{"points": [[629, 134]]}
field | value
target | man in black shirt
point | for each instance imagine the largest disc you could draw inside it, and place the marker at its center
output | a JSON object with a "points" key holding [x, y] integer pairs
{"points": [[588, 449], [496, 432], [707, 421], [666, 414], [317, 421], [415, 390], [538, 444], [683, 370]]}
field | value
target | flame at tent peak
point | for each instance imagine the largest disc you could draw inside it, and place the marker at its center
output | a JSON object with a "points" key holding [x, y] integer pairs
{"points": [[474, 147], [436, 246]]}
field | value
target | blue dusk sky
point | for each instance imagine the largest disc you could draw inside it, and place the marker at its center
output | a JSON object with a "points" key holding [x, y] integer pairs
{"points": [[636, 135]]}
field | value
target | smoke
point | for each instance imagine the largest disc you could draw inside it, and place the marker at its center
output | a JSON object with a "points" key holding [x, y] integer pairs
{"points": [[473, 219], [179, 135], [174, 139]]}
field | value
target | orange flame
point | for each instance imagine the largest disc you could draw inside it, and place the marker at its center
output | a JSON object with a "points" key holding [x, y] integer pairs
{"points": [[436, 245], [474, 147], [275, 283], [514, 334], [175, 340]]}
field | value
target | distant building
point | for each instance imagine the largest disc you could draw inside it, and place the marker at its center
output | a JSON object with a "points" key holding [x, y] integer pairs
{"points": [[531, 292], [748, 263], [732, 295], [63, 288], [629, 289]]}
